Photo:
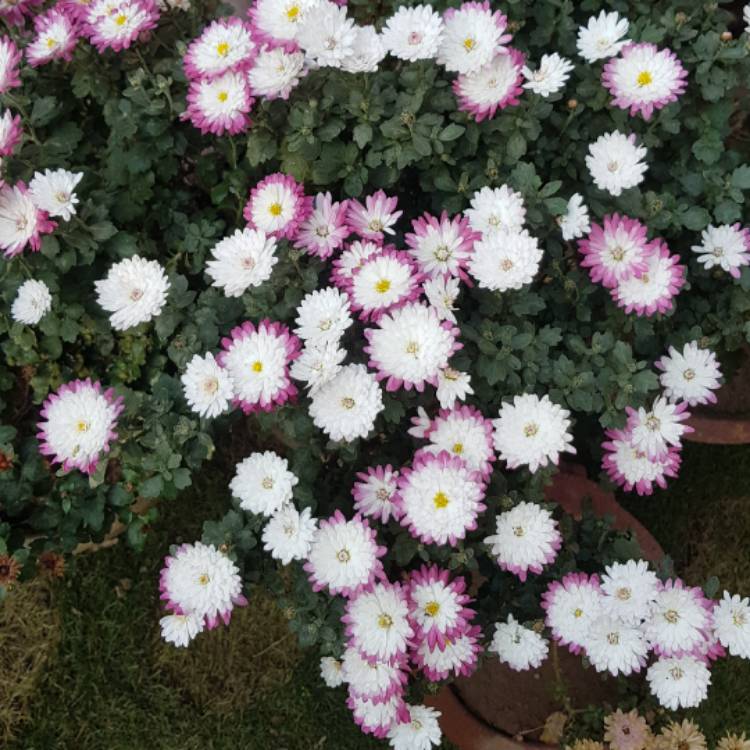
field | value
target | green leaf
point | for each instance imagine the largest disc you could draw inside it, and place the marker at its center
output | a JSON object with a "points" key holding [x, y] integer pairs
{"points": [[152, 487], [362, 134], [741, 177], [451, 132]]}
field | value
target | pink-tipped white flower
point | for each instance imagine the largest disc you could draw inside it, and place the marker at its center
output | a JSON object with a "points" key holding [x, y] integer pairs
{"points": [[410, 346], [56, 38], [21, 222], [691, 375], [257, 360], [731, 622], [344, 555], [224, 46], [10, 58], [220, 105], [495, 210], [505, 260], [275, 73], [532, 432], [441, 246], [325, 229], [11, 132], [680, 682], [420, 424], [572, 605], [473, 34], [421, 731], [345, 266], [78, 424], [278, 205], [277, 22], [655, 289], [376, 217], [384, 282], [116, 25], [373, 680], [377, 621], [377, 719], [199, 580], [14, 13], [413, 33], [615, 162], [458, 658], [654, 430], [726, 246], [440, 498], [491, 88], [453, 385], [439, 606], [550, 76], [376, 493], [644, 78], [616, 251], [519, 647], [526, 539], [632, 468]]}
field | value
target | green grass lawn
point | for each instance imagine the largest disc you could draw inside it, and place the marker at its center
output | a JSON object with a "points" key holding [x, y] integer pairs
{"points": [[112, 684]]}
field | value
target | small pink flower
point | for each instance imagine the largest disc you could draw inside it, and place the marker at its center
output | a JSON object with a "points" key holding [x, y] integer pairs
{"points": [[375, 217], [14, 12], [56, 38], [325, 229], [278, 205], [21, 222], [10, 57], [11, 132], [118, 27]]}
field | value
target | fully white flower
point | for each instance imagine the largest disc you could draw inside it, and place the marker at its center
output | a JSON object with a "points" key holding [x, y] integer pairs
{"points": [[746, 18], [453, 386], [629, 589], [179, 630], [550, 76], [654, 430], [574, 223], [679, 683], [441, 293], [207, 386], [495, 210], [731, 617], [505, 260], [326, 35], [519, 647], [526, 538], [263, 483], [331, 671], [134, 291], [316, 365], [421, 732], [603, 36], [244, 259], [615, 162], [726, 246], [413, 33], [532, 432], [367, 52], [345, 407], [611, 646], [691, 375], [679, 619], [54, 192], [288, 535], [33, 301], [472, 36], [323, 317], [275, 72]]}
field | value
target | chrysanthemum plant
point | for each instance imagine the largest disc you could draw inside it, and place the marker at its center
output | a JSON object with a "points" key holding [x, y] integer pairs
{"points": [[396, 261]]}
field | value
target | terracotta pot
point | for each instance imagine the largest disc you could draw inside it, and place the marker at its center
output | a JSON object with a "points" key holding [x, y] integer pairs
{"points": [[487, 710]]}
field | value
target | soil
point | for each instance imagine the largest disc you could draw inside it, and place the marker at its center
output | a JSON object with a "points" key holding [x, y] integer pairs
{"points": [[734, 395]]}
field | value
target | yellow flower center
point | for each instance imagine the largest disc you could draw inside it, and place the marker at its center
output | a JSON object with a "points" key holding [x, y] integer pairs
{"points": [[203, 579], [257, 366], [412, 347], [292, 13], [739, 619], [469, 43], [382, 286], [51, 43], [222, 49], [348, 402], [222, 96], [531, 429], [644, 78], [458, 447], [385, 621], [120, 20], [431, 608], [578, 613], [689, 374], [343, 555], [671, 616], [275, 209], [82, 426], [441, 500]]}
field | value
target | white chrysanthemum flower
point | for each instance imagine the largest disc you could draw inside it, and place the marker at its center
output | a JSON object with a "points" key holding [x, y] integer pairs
{"points": [[453, 386], [532, 432], [629, 589], [134, 291], [288, 535], [367, 52], [691, 375], [275, 73], [495, 210], [441, 293], [679, 619], [179, 630], [331, 671], [263, 483], [731, 618], [222, 46], [611, 646], [413, 33], [375, 493], [279, 20], [345, 407], [615, 162], [375, 718], [420, 424], [327, 35], [505, 260], [465, 433], [574, 223], [603, 36], [654, 430], [317, 365], [33, 301], [323, 317], [519, 647], [746, 18], [472, 36], [573, 605], [373, 680], [525, 539], [459, 656], [726, 246], [421, 732], [54, 192], [207, 386], [384, 280], [351, 259], [438, 605], [550, 76], [679, 683], [21, 222], [244, 259]]}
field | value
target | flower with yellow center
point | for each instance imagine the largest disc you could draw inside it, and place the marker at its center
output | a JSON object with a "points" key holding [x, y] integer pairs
{"points": [[440, 500], [644, 78]]}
